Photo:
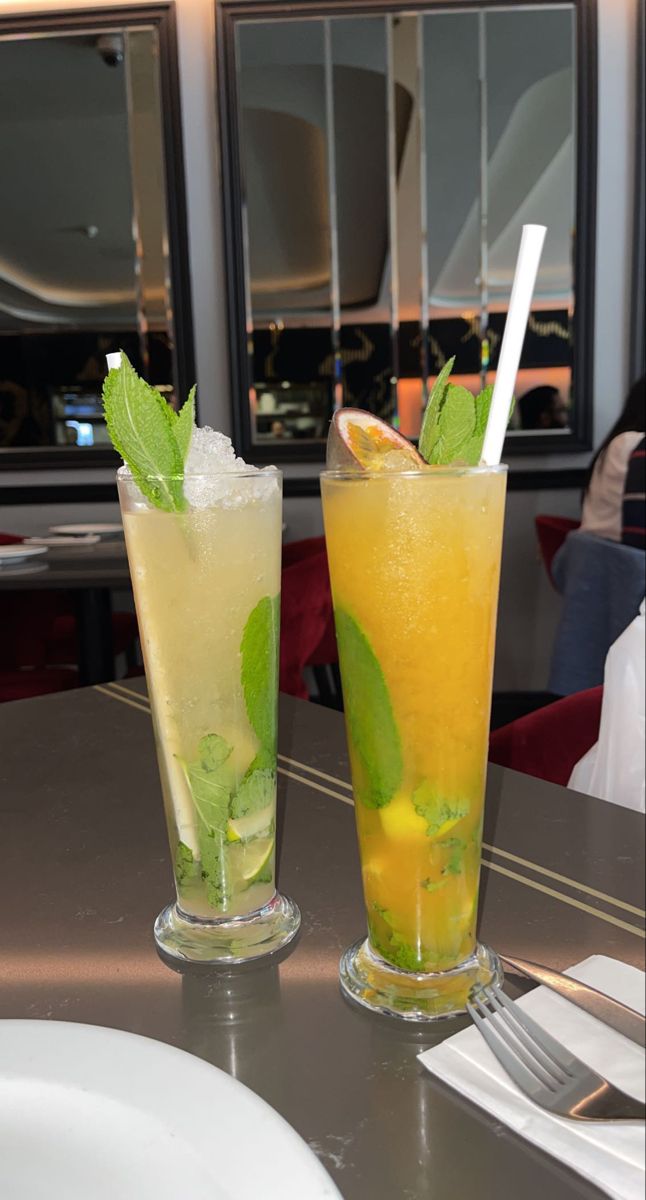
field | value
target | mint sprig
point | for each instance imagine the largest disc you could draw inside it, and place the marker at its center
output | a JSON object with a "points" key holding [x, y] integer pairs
{"points": [[439, 814], [376, 745], [259, 674], [455, 422], [151, 438]]}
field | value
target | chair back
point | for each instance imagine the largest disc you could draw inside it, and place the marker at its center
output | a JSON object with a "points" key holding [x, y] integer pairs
{"points": [[551, 532], [307, 624], [549, 742]]}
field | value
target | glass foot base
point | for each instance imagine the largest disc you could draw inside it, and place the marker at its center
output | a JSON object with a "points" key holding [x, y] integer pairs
{"points": [[370, 981], [227, 941]]}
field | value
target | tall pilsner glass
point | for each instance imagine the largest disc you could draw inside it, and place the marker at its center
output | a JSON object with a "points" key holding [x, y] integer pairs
{"points": [[415, 563], [207, 589]]}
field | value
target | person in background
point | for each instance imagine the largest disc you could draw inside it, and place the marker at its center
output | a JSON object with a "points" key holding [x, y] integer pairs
{"points": [[633, 531], [543, 408], [614, 504]]}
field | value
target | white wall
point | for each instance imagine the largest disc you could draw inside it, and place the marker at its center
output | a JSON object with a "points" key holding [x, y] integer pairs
{"points": [[615, 193], [529, 608]]}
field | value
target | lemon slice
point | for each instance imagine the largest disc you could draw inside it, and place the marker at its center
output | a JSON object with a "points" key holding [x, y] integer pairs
{"points": [[256, 856], [241, 829], [360, 441], [399, 820]]}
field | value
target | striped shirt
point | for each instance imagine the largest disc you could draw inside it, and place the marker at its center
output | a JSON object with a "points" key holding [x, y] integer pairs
{"points": [[633, 532], [603, 504]]}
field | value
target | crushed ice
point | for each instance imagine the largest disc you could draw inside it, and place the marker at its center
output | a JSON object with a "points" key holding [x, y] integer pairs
{"points": [[212, 473]]}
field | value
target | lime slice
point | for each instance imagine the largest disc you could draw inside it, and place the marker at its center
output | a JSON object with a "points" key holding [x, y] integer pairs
{"points": [[242, 829], [256, 856], [360, 441]]}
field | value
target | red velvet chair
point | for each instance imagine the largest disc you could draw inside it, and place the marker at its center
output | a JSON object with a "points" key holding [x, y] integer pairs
{"points": [[307, 624], [548, 743], [28, 682], [40, 626], [551, 533]]}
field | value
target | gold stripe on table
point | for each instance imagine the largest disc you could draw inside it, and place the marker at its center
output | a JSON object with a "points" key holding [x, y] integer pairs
{"points": [[143, 705], [107, 691], [571, 900], [581, 887], [516, 858], [319, 787]]}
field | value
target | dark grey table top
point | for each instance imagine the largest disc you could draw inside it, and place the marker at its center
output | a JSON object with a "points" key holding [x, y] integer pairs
{"points": [[86, 870], [102, 564]]}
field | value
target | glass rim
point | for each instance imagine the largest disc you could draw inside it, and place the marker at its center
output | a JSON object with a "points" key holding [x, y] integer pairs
{"points": [[124, 474], [448, 471]]}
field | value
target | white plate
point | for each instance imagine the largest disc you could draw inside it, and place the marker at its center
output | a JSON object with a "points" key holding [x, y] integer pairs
{"points": [[87, 539], [8, 571], [93, 1112], [18, 552], [105, 530]]}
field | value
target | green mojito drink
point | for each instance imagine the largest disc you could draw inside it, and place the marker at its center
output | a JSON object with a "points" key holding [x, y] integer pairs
{"points": [[204, 551]]}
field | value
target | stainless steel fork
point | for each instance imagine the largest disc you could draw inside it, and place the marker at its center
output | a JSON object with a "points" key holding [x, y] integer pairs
{"points": [[544, 1069]]}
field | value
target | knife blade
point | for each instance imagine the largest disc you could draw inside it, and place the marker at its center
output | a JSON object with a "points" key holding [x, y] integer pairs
{"points": [[612, 1012]]}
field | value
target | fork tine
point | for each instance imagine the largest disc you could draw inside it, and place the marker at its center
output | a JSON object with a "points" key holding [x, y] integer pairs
{"points": [[508, 1013], [526, 1056], [525, 1078], [561, 1057]]}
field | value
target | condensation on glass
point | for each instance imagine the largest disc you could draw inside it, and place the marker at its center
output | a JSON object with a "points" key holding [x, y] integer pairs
{"points": [[388, 163], [84, 254]]}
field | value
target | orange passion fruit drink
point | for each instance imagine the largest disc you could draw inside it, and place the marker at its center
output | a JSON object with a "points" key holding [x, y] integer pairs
{"points": [[414, 551]]}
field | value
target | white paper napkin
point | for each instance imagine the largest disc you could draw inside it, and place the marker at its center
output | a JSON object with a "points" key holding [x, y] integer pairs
{"points": [[611, 1155]]}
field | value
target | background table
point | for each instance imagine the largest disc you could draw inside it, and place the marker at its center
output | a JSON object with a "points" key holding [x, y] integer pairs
{"points": [[86, 870], [90, 572]]}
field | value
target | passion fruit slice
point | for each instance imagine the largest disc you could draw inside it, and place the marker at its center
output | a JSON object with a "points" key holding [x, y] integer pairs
{"points": [[359, 441]]}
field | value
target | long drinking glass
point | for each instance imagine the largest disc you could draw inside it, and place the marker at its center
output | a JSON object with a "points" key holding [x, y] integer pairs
{"points": [[414, 562], [207, 589]]}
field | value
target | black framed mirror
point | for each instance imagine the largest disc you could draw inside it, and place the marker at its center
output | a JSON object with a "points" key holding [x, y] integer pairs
{"points": [[379, 160], [93, 236]]}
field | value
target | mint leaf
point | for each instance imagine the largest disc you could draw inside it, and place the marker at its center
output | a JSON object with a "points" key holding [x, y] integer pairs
{"points": [[403, 955], [437, 811], [214, 871], [259, 672], [483, 406], [433, 885], [183, 862], [456, 425], [211, 791], [140, 424], [257, 791], [369, 715], [265, 760], [213, 751], [430, 425], [454, 865], [210, 785], [184, 423], [211, 796]]}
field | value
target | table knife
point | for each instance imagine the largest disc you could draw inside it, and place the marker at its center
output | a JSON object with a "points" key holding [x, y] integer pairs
{"points": [[612, 1012]]}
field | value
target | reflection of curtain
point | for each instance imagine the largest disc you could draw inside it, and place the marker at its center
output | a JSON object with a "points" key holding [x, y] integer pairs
{"points": [[530, 178], [638, 307]]}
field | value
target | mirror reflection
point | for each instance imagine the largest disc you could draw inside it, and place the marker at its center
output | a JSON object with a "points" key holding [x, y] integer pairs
{"points": [[83, 241], [387, 165]]}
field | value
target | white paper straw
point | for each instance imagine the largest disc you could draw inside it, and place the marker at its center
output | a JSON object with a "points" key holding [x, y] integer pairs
{"points": [[529, 256], [113, 360]]}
